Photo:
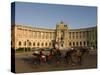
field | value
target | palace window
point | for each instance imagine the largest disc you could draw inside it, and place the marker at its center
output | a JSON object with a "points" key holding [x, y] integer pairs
{"points": [[77, 43], [70, 44], [84, 43], [80, 43], [49, 44], [38, 44], [19, 43], [73, 43], [25, 43], [76, 35], [34, 44], [45, 44]]}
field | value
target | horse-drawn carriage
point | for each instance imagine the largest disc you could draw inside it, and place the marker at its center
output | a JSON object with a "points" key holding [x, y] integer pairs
{"points": [[55, 56]]}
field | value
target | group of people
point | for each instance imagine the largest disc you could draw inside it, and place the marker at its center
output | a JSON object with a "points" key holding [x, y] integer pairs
{"points": [[52, 57], [55, 56]]}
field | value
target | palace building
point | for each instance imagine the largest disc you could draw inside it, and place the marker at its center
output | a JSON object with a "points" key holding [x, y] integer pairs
{"points": [[62, 36]]}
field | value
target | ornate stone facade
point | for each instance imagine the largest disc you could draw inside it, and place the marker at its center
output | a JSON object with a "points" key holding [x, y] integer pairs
{"points": [[29, 37]]}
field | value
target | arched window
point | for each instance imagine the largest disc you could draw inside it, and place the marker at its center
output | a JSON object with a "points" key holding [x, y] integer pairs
{"points": [[25, 43], [34, 44], [77, 43], [49, 44], [19, 43], [84, 43], [73, 43], [45, 44], [70, 44], [38, 44]]}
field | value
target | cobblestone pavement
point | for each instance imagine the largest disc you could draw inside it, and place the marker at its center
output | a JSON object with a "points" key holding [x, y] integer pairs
{"points": [[24, 63]]}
